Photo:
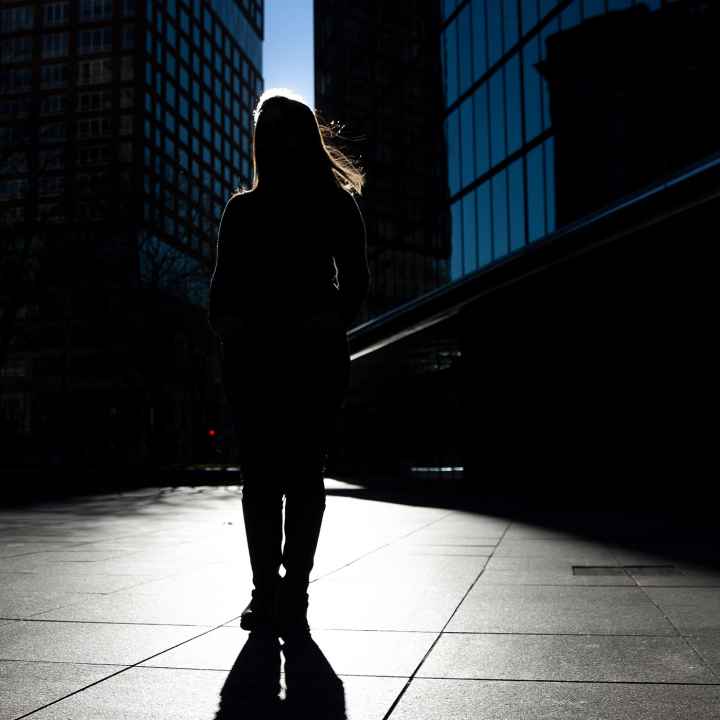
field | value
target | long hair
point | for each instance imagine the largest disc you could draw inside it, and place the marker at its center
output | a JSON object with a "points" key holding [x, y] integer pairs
{"points": [[291, 145]]}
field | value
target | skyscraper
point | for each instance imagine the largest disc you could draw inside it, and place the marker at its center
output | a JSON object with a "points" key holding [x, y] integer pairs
{"points": [[377, 73], [124, 127]]}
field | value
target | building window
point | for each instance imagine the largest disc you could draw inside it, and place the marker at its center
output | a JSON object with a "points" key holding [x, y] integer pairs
{"points": [[56, 13], [127, 97], [97, 100], [53, 105], [53, 76], [17, 18], [16, 80], [95, 40], [128, 36], [127, 68], [52, 132], [94, 127], [16, 50], [94, 72], [95, 10], [128, 8], [55, 45], [126, 124]]}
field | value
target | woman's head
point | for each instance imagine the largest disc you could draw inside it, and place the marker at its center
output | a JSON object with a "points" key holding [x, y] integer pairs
{"points": [[292, 148]]}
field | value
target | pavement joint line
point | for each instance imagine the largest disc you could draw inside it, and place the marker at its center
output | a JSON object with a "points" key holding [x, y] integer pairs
{"points": [[692, 648], [572, 682], [403, 690], [380, 547], [105, 622], [122, 670]]}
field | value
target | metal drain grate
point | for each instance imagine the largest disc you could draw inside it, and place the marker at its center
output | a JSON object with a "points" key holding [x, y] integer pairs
{"points": [[652, 570], [645, 570], [597, 570]]}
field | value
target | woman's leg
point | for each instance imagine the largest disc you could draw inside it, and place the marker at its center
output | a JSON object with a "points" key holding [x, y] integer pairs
{"points": [[319, 401]]}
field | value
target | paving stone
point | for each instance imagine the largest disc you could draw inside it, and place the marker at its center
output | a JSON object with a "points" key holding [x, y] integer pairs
{"points": [[491, 700], [18, 604], [26, 686], [690, 610], [707, 645], [201, 606], [348, 652], [557, 657], [555, 609], [77, 582], [573, 550], [88, 642]]}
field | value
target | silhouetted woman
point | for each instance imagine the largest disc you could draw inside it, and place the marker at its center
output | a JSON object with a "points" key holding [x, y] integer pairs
{"points": [[290, 277]]}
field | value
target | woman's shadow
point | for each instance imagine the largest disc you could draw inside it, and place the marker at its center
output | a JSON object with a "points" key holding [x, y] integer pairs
{"points": [[253, 686]]}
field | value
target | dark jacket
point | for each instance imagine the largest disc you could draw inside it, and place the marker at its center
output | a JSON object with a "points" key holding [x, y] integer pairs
{"points": [[283, 260]]}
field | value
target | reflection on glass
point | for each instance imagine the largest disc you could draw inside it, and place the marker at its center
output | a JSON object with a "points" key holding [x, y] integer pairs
{"points": [[466, 142], [619, 4], [495, 31], [532, 81], [497, 117], [453, 155], [450, 65], [535, 194], [549, 147], [482, 135], [513, 105], [516, 184], [529, 14], [593, 7], [456, 251], [484, 224], [469, 239], [510, 22], [546, 6], [550, 29], [500, 214], [570, 16], [464, 49], [479, 41]]}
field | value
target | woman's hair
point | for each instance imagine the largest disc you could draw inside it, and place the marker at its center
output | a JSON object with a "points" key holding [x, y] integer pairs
{"points": [[290, 141]]}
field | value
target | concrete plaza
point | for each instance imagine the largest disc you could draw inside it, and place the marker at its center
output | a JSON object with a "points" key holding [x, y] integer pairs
{"points": [[126, 605]]}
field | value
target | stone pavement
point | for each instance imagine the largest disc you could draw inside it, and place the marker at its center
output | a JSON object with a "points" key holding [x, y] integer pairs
{"points": [[126, 605]]}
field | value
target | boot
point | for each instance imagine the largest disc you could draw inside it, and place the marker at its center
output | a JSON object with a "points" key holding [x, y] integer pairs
{"points": [[262, 512], [303, 519]]}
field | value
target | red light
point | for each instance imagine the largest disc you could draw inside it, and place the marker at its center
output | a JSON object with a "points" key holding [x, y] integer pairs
{"points": [[212, 432]]}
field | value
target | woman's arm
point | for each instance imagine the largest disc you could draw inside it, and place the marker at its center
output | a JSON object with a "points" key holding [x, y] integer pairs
{"points": [[352, 264], [224, 280]]}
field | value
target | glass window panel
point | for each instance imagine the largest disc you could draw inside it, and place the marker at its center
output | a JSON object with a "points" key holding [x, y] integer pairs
{"points": [[593, 7], [516, 182], [456, 253], [497, 118], [495, 31], [482, 136], [546, 6], [467, 150], [532, 81], [469, 237], [512, 104], [570, 17], [448, 7], [499, 214], [550, 29], [536, 194], [619, 4], [549, 146], [479, 42], [484, 224], [529, 14], [450, 65], [510, 23], [465, 49], [452, 135]]}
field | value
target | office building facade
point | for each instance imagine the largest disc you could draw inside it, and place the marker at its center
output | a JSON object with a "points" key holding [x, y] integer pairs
{"points": [[126, 124], [577, 157]]}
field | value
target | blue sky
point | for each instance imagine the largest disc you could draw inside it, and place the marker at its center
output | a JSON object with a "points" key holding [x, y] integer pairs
{"points": [[288, 47]]}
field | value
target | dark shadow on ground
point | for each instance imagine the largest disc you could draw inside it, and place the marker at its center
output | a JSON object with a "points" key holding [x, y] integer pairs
{"points": [[677, 523], [253, 686]]}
